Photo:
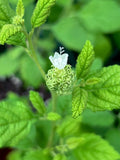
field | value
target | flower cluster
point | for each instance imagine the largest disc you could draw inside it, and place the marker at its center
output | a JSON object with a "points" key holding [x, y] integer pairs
{"points": [[60, 81], [61, 77]]}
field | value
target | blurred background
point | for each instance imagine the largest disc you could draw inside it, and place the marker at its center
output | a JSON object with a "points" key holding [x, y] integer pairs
{"points": [[70, 24]]}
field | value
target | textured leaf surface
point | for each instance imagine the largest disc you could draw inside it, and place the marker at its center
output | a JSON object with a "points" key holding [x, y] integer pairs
{"points": [[96, 13], [84, 60], [94, 148], [37, 102], [74, 142], [20, 8], [15, 123], [6, 13], [41, 12], [106, 94], [7, 31], [79, 101], [18, 39]]}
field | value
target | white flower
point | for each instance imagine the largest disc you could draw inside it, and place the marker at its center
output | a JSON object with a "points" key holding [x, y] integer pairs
{"points": [[59, 60]]}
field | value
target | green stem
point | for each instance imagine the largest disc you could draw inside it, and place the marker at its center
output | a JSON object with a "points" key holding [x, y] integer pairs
{"points": [[54, 100], [50, 142], [32, 51]]}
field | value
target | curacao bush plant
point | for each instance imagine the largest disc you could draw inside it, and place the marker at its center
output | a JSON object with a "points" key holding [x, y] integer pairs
{"points": [[57, 130]]}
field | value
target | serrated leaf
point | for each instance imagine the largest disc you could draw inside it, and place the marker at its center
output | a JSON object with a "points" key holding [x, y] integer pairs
{"points": [[79, 101], [18, 39], [20, 8], [52, 116], [41, 12], [94, 148], [7, 31], [6, 13], [85, 60], [15, 123], [74, 142], [37, 102], [106, 94], [96, 13]]}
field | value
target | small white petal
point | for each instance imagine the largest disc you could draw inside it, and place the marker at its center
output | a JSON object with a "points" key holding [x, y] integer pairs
{"points": [[56, 54], [59, 61], [51, 59]]}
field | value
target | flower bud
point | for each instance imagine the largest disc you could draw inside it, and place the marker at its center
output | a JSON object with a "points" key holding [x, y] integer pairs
{"points": [[17, 20], [60, 80]]}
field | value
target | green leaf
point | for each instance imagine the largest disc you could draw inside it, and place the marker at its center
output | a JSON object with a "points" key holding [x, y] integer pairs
{"points": [[64, 105], [85, 60], [9, 62], [92, 81], [96, 13], [14, 155], [106, 94], [60, 157], [96, 65], [37, 102], [94, 147], [113, 136], [70, 32], [33, 154], [69, 127], [28, 67], [7, 31], [41, 12], [74, 142], [6, 13], [98, 119], [79, 101], [20, 8], [18, 39], [26, 2], [103, 47], [15, 123], [52, 116]]}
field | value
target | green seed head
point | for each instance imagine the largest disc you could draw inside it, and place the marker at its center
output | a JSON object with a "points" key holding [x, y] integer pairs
{"points": [[60, 80]]}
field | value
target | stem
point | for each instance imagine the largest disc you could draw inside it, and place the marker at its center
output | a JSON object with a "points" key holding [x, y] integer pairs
{"points": [[54, 97], [54, 100], [32, 50]]}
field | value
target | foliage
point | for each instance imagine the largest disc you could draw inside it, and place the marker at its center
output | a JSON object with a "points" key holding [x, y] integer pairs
{"points": [[79, 120]]}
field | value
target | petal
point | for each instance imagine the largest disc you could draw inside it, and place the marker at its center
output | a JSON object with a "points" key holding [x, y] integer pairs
{"points": [[64, 59], [51, 59], [56, 55]]}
